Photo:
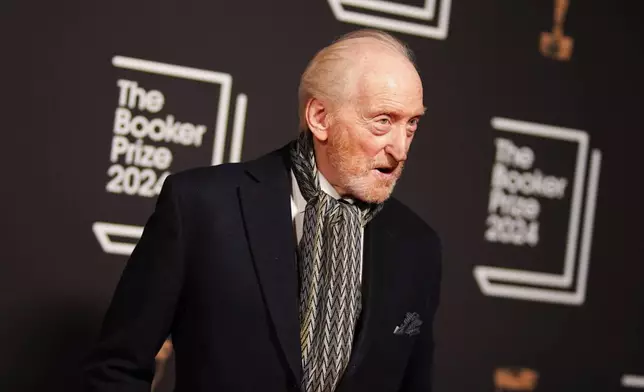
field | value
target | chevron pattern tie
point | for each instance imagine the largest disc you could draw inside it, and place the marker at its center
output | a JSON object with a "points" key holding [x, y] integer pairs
{"points": [[329, 263]]}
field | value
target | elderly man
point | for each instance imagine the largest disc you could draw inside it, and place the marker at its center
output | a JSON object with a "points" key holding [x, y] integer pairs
{"points": [[296, 271]]}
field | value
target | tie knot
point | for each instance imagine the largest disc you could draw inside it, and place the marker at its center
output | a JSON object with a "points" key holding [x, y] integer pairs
{"points": [[341, 210]]}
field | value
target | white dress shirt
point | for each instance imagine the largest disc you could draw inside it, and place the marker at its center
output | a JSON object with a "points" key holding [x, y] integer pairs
{"points": [[298, 205]]}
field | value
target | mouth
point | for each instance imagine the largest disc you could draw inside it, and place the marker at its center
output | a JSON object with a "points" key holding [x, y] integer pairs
{"points": [[385, 172]]}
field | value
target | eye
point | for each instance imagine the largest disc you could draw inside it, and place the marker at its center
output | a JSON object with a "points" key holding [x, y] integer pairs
{"points": [[383, 121], [414, 121]]}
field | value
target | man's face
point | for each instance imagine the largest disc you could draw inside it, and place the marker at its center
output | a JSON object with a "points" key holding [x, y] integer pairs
{"points": [[370, 133]]}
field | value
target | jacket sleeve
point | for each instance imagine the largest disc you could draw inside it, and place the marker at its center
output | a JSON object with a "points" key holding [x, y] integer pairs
{"points": [[419, 372], [141, 312]]}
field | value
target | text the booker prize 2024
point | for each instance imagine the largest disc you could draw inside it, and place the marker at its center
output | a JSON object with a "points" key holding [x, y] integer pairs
{"points": [[514, 207], [139, 168]]}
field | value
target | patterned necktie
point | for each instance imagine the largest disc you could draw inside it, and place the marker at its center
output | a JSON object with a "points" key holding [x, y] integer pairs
{"points": [[329, 265]]}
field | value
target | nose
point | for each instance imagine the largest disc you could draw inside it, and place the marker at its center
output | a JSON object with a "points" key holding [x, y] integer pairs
{"points": [[398, 144]]}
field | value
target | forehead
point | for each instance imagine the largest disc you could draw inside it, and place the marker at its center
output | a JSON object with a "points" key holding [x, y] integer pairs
{"points": [[390, 84]]}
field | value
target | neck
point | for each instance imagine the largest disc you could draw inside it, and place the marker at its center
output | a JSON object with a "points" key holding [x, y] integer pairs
{"points": [[325, 169]]}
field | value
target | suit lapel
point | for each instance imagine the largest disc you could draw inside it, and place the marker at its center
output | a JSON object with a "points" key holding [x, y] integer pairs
{"points": [[266, 209], [378, 262]]}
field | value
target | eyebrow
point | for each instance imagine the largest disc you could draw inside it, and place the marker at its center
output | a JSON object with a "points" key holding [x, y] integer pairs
{"points": [[422, 113], [388, 110]]}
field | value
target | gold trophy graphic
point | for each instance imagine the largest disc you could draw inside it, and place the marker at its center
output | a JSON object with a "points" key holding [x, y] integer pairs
{"points": [[555, 44], [512, 379]]}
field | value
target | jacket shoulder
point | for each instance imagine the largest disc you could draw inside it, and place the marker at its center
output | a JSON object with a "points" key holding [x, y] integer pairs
{"points": [[221, 180], [204, 176]]}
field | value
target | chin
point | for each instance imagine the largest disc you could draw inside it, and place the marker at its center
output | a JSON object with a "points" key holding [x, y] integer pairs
{"points": [[373, 193], [376, 198]]}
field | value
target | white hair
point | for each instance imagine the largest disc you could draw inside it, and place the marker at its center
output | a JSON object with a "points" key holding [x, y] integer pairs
{"points": [[326, 75]]}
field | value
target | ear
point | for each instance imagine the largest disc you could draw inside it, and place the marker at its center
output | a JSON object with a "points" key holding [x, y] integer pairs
{"points": [[317, 118]]}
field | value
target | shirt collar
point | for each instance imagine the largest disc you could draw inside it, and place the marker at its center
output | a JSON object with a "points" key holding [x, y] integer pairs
{"points": [[327, 187]]}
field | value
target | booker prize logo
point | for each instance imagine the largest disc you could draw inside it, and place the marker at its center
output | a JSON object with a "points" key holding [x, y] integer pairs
{"points": [[537, 215], [149, 139], [515, 379], [431, 20]]}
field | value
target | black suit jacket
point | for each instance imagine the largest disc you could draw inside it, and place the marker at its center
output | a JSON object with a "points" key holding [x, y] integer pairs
{"points": [[216, 268]]}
